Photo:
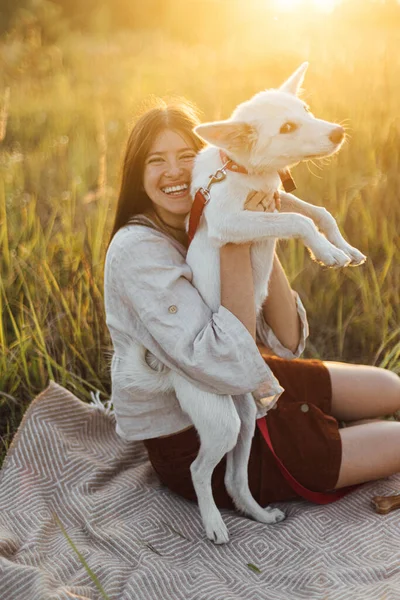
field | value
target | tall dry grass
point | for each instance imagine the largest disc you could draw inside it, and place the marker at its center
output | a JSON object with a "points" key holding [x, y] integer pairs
{"points": [[64, 122]]}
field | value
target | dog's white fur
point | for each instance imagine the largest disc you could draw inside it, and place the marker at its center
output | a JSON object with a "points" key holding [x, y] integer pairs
{"points": [[252, 138]]}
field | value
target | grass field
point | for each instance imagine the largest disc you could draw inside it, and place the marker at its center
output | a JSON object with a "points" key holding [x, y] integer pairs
{"points": [[66, 112]]}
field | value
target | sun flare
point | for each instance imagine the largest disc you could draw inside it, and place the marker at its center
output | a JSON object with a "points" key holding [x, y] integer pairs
{"points": [[317, 5]]}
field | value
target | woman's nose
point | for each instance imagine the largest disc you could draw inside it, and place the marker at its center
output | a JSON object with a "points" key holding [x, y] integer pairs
{"points": [[174, 169]]}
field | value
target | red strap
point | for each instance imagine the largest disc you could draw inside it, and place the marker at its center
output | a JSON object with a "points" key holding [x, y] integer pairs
{"points": [[317, 497], [287, 180], [196, 211]]}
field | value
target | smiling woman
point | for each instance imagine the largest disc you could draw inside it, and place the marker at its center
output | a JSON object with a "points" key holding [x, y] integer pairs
{"points": [[163, 320], [157, 168], [166, 177]]}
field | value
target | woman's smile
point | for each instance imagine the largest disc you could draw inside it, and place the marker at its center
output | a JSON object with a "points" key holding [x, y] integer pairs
{"points": [[178, 190], [167, 175]]}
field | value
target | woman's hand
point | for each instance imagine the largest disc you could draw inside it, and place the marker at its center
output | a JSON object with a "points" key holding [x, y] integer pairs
{"points": [[262, 202]]}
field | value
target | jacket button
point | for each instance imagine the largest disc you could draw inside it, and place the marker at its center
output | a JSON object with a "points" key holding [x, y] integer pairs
{"points": [[172, 309], [305, 408]]}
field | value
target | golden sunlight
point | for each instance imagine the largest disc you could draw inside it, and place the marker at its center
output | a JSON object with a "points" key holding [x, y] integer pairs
{"points": [[317, 5]]}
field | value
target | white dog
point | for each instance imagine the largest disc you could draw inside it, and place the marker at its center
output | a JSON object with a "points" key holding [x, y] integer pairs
{"points": [[267, 134]]}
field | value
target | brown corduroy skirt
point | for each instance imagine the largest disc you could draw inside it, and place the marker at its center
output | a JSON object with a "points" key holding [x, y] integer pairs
{"points": [[303, 433]]}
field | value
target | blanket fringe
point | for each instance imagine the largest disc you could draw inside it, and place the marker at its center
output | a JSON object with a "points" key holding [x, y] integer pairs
{"points": [[97, 403]]}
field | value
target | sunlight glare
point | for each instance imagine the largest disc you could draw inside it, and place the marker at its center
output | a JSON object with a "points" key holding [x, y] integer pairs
{"points": [[325, 5], [287, 4], [317, 5]]}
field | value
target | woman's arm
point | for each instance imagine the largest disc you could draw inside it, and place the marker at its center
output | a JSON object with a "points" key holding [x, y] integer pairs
{"points": [[237, 287], [150, 298], [237, 295], [282, 324], [280, 309]]}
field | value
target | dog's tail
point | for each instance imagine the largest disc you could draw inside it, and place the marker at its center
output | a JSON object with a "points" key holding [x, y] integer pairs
{"points": [[142, 370]]}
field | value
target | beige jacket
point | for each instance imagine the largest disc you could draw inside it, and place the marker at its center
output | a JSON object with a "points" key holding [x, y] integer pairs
{"points": [[149, 298]]}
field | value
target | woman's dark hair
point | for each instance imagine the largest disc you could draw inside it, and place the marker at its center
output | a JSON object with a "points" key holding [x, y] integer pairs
{"points": [[178, 115]]}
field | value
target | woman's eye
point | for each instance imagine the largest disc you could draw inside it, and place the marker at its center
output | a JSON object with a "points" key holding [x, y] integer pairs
{"points": [[288, 127], [156, 159], [188, 156]]}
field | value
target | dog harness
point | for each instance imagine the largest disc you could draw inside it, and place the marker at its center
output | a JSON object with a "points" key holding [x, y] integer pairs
{"points": [[201, 198]]}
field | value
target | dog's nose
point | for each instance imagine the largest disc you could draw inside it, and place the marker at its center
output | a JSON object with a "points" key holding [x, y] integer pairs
{"points": [[337, 135]]}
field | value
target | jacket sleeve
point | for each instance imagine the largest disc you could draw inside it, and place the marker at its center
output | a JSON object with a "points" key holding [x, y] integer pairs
{"points": [[269, 339], [212, 349]]}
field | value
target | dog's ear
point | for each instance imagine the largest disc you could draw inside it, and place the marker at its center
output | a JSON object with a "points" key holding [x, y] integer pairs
{"points": [[229, 135], [292, 85]]}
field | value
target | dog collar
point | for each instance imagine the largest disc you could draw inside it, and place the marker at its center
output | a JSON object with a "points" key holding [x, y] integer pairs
{"points": [[284, 174], [231, 165], [202, 195]]}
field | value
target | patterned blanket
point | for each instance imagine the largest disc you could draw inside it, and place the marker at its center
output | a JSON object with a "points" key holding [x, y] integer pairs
{"points": [[67, 469]]}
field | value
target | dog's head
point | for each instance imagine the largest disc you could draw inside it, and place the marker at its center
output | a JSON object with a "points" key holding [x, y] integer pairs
{"points": [[274, 130]]}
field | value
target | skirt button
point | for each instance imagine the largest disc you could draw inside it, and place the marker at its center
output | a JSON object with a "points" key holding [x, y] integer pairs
{"points": [[172, 309], [305, 408]]}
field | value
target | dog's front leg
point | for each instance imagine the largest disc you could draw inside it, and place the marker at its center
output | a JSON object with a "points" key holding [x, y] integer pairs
{"points": [[325, 223], [246, 226]]}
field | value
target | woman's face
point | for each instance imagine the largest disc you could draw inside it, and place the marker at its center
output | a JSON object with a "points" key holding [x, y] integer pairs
{"points": [[167, 175]]}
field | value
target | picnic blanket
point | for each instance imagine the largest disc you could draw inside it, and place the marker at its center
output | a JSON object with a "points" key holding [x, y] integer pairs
{"points": [[143, 542]]}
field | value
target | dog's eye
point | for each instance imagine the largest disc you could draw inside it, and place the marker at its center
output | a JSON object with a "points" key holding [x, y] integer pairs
{"points": [[288, 128]]}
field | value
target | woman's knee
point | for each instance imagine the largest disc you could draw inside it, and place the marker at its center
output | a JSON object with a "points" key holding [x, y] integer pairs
{"points": [[389, 383], [362, 391], [369, 452]]}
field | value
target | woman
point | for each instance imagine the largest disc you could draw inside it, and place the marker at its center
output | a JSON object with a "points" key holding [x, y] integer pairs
{"points": [[149, 297]]}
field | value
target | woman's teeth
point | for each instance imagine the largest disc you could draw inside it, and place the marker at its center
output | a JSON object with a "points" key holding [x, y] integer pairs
{"points": [[175, 189]]}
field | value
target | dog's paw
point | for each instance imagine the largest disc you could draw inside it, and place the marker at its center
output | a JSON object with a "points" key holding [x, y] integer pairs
{"points": [[357, 258], [216, 529], [272, 515], [330, 256]]}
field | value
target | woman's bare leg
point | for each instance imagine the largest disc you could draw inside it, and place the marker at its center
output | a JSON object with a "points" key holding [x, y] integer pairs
{"points": [[369, 452], [360, 394]]}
